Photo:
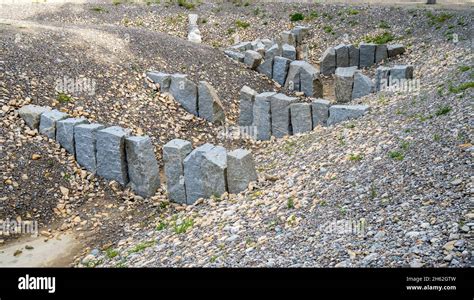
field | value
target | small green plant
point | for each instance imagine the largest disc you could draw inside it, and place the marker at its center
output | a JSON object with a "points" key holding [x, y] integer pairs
{"points": [[382, 38], [242, 24], [328, 29], [373, 191], [443, 110], [290, 203], [355, 157], [161, 226], [437, 137], [464, 68], [111, 253], [64, 98], [98, 9], [186, 4], [141, 246], [384, 25], [213, 258], [438, 18], [462, 87], [323, 203], [231, 31], [397, 155], [116, 2], [256, 11], [312, 15], [327, 16], [404, 145], [351, 11], [184, 226], [296, 17]]}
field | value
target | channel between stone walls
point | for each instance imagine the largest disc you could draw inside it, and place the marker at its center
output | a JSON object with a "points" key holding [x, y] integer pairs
{"points": [[276, 114], [114, 154], [199, 99]]}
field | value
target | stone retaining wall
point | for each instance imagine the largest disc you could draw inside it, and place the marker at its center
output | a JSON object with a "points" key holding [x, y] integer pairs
{"points": [[283, 60], [207, 171], [365, 55], [109, 152], [199, 99], [280, 115]]}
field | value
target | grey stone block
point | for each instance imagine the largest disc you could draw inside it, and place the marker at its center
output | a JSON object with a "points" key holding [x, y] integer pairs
{"points": [[280, 69], [31, 114], [247, 99], [363, 85], [328, 61], [353, 56], [301, 119], [210, 107], [163, 79], [240, 170], [252, 59], [268, 43], [280, 109], [300, 33], [193, 176], [288, 51], [143, 170], [381, 78], [396, 49], [366, 54], [320, 112], [287, 37], [266, 67], [262, 118], [344, 81], [235, 55], [305, 78], [65, 132], [48, 121], [185, 92], [273, 51], [174, 153], [85, 145], [400, 72], [214, 169], [292, 82], [381, 53], [342, 56], [339, 113], [111, 158], [242, 46]]}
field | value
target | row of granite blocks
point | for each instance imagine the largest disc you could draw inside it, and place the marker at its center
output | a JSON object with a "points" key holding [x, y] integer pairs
{"points": [[351, 84], [283, 60], [366, 55], [277, 114], [205, 172], [113, 154], [110, 152], [199, 99]]}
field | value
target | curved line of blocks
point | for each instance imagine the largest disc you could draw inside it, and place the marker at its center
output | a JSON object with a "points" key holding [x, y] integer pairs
{"points": [[205, 172], [109, 152], [366, 55], [201, 100], [280, 115]]}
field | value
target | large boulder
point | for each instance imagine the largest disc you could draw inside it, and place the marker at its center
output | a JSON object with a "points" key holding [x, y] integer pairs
{"points": [[353, 56], [252, 59], [214, 172], [304, 77], [143, 170], [301, 119], [65, 132], [344, 80], [288, 51], [185, 92], [320, 112], [111, 157], [327, 63], [366, 54], [363, 85], [400, 72], [240, 170], [300, 33], [395, 49], [280, 69], [280, 109], [247, 98], [287, 37], [174, 153], [85, 145], [266, 67], [339, 113], [262, 119], [210, 107], [31, 114], [48, 121]]}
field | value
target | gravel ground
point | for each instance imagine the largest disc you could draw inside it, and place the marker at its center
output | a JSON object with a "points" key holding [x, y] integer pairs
{"points": [[403, 173]]}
